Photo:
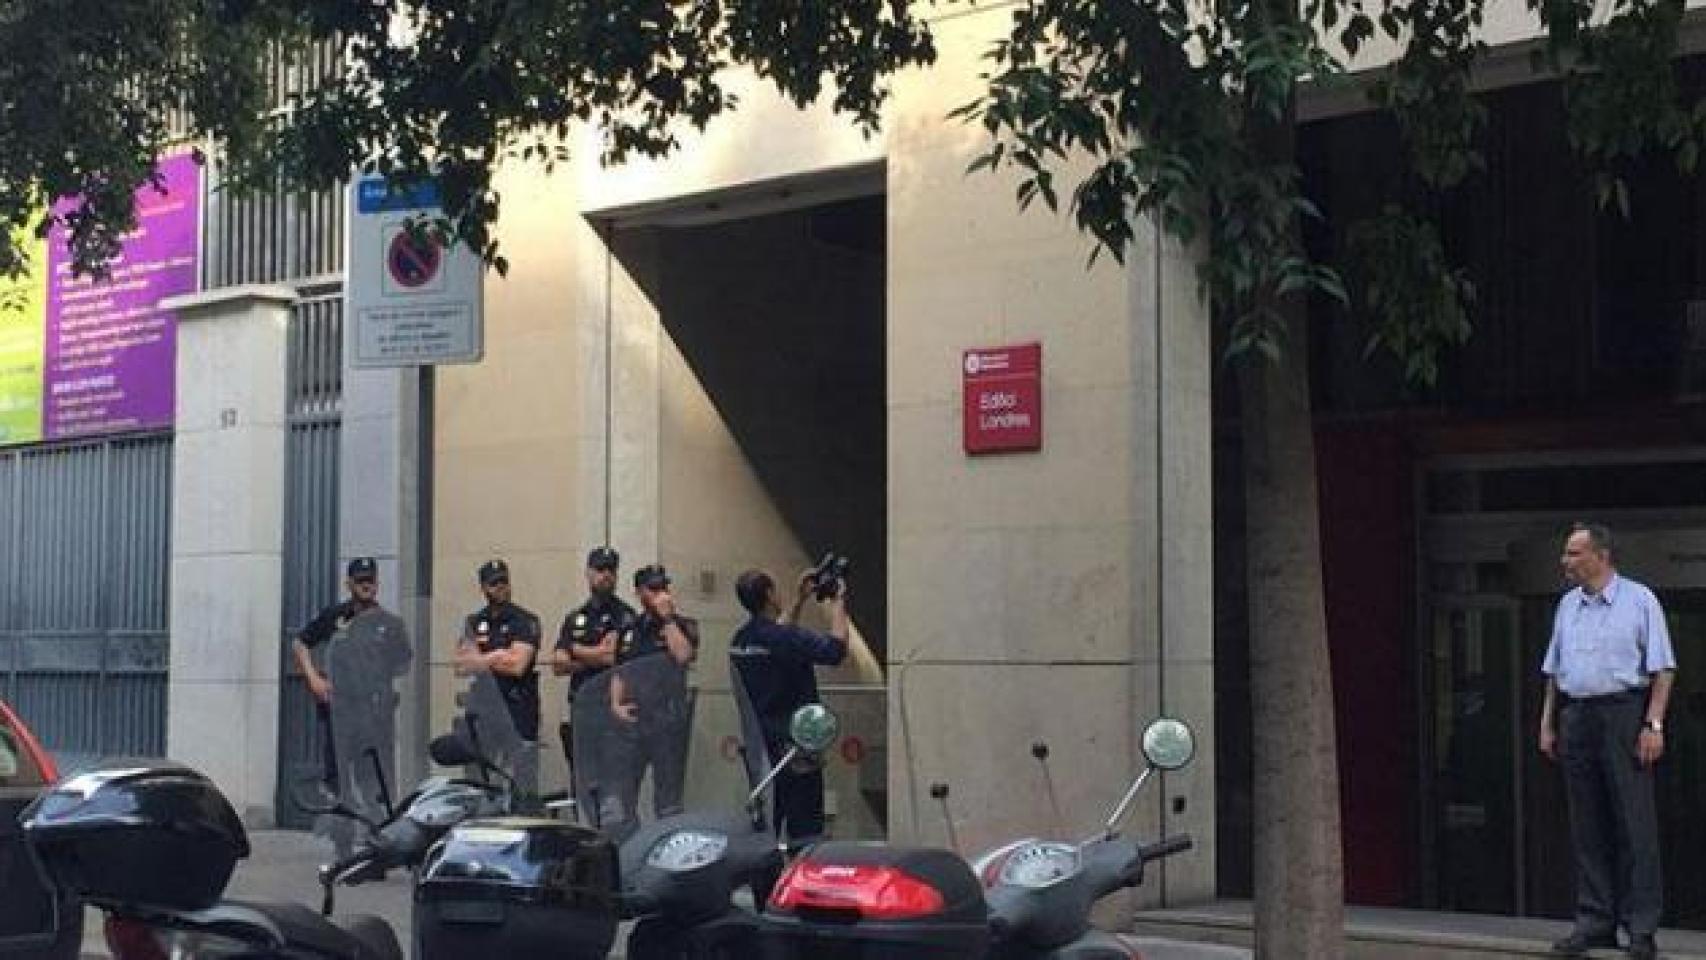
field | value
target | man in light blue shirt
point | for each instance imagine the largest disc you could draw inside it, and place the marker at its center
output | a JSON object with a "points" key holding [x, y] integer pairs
{"points": [[1609, 671]]}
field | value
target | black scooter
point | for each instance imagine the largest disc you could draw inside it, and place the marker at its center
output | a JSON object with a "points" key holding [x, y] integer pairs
{"points": [[153, 846], [680, 874], [431, 810], [1026, 900]]}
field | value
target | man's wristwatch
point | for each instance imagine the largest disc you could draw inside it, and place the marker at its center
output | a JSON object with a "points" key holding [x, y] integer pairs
{"points": [[1657, 726]]}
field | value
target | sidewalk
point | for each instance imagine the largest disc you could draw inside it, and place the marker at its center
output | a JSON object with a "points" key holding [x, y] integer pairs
{"points": [[1374, 933]]}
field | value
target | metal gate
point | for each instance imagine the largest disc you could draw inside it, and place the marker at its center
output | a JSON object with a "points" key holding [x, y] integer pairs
{"points": [[311, 523], [84, 568]]}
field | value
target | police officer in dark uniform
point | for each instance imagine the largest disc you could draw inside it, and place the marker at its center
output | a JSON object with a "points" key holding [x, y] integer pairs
{"points": [[585, 650], [362, 583], [362, 649], [773, 660], [587, 640], [502, 638], [648, 694]]}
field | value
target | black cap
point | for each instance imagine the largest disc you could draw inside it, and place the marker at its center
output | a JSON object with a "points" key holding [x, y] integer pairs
{"points": [[603, 558], [493, 570], [651, 575], [362, 568]]}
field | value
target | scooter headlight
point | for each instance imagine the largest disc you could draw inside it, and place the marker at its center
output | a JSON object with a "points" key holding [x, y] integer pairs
{"points": [[686, 850], [1032, 864], [445, 809]]}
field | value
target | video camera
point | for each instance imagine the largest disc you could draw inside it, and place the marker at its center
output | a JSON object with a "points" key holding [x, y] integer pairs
{"points": [[827, 576]]}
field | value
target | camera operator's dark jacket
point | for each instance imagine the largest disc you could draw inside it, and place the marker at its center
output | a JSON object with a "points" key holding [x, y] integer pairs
{"points": [[775, 662]]}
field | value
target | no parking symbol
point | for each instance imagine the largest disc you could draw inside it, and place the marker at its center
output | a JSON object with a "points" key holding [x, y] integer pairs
{"points": [[413, 262]]}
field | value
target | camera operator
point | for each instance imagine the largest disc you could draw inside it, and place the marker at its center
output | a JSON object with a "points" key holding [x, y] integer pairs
{"points": [[773, 659]]}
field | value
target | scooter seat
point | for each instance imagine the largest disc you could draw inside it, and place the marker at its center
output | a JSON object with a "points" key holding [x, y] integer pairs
{"points": [[291, 924], [374, 935]]}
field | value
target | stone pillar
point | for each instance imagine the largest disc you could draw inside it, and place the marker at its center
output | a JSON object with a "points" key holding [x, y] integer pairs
{"points": [[227, 540]]}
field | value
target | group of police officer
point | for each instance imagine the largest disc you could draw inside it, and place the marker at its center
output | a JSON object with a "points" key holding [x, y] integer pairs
{"points": [[630, 705]]}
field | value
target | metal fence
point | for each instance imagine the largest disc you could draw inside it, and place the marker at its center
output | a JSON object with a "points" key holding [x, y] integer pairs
{"points": [[271, 237], [315, 405], [83, 593]]}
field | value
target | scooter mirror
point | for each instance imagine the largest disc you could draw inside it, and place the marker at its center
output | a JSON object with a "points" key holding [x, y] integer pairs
{"points": [[1168, 743], [452, 750], [814, 727]]}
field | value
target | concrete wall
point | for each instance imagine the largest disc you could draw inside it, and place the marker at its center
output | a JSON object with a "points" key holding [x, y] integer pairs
{"points": [[1058, 596], [510, 444]]}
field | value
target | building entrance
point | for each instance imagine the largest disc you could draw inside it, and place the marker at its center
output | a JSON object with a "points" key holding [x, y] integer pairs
{"points": [[1494, 831]]}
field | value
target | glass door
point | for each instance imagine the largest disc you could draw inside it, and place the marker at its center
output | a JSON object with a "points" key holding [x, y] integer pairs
{"points": [[1682, 774], [1474, 791]]}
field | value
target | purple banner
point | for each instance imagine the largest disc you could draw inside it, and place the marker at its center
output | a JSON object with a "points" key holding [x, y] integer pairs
{"points": [[111, 352]]}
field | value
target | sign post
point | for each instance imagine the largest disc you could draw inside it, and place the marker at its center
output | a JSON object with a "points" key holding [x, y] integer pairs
{"points": [[410, 302]]}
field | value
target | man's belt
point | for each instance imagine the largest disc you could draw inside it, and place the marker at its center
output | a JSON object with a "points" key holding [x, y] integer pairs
{"points": [[1634, 695]]}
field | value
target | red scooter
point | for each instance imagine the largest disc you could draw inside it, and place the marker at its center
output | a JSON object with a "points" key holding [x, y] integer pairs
{"points": [[1026, 900]]}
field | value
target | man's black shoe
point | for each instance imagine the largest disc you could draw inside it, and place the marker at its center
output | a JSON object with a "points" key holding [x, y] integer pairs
{"points": [[1643, 948], [1579, 943]]}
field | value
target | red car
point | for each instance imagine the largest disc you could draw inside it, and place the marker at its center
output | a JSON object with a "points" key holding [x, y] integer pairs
{"points": [[34, 922]]}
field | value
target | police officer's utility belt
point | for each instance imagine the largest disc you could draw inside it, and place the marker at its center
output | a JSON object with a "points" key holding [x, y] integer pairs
{"points": [[1635, 695]]}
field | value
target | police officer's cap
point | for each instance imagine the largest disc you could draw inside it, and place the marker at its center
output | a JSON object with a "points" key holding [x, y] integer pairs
{"points": [[603, 558], [492, 571], [651, 575], [363, 568]]}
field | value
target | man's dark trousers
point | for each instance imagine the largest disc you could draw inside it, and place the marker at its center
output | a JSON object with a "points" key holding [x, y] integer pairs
{"points": [[1613, 820], [798, 805]]}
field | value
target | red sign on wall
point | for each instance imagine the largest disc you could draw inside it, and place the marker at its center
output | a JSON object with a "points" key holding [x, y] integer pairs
{"points": [[1004, 398]]}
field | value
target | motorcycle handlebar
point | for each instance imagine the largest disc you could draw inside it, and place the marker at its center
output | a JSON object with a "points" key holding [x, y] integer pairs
{"points": [[1165, 848]]}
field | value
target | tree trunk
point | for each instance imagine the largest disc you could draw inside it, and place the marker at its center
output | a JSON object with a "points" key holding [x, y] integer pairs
{"points": [[1298, 857]]}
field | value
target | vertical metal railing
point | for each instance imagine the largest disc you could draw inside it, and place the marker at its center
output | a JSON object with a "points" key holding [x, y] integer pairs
{"points": [[83, 623], [315, 415]]}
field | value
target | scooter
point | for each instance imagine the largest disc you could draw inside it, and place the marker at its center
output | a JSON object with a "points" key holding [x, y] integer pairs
{"points": [[408, 831], [680, 874], [1026, 900], [153, 846]]}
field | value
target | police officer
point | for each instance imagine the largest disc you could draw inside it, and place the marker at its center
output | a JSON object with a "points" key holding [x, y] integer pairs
{"points": [[648, 694], [586, 642], [773, 659], [586, 648], [362, 585], [369, 648], [1609, 670], [502, 639]]}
